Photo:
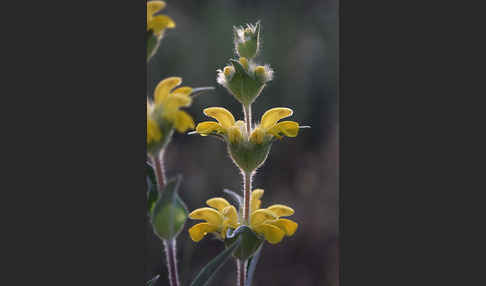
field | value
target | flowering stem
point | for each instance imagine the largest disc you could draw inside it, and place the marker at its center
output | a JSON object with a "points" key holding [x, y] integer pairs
{"points": [[246, 200], [247, 112], [247, 175], [241, 271], [158, 162], [170, 254]]}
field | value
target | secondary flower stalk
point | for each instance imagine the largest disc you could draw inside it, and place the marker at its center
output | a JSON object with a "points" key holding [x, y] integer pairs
{"points": [[171, 257], [248, 145]]}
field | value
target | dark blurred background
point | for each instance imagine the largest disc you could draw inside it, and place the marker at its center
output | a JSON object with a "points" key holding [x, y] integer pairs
{"points": [[300, 44]]}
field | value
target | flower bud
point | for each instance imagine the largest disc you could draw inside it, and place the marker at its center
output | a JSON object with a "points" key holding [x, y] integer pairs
{"points": [[170, 213], [247, 40], [228, 71], [263, 73], [244, 63]]}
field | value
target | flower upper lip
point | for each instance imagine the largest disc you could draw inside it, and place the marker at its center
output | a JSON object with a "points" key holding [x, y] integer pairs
{"points": [[157, 23], [235, 131]]}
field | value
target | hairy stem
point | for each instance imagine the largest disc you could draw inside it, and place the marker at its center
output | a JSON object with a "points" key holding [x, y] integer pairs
{"points": [[170, 254], [247, 112], [246, 200], [158, 164], [241, 271]]}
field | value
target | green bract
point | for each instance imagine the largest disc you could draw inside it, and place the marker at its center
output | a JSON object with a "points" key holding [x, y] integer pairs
{"points": [[249, 156], [250, 242], [170, 213], [241, 81], [247, 40]]}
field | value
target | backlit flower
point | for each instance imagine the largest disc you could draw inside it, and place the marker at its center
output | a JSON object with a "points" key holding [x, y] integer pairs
{"points": [[225, 126], [267, 222], [248, 151], [157, 23], [235, 131], [221, 216], [164, 114], [269, 125]]}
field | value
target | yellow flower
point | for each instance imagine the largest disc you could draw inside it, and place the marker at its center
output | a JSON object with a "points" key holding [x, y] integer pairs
{"points": [[153, 132], [170, 101], [219, 218], [226, 125], [160, 22], [266, 222], [235, 131], [269, 127], [164, 112]]}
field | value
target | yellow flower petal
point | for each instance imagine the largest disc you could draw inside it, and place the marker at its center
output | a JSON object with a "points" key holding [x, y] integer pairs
{"points": [[224, 229], [224, 117], [155, 6], [176, 101], [272, 116], [241, 124], [255, 205], [257, 194], [257, 136], [288, 128], [164, 87], [255, 201], [218, 203], [260, 216], [208, 214], [183, 121], [161, 22], [153, 131], [231, 216], [205, 128], [288, 226], [234, 134], [198, 231], [272, 234], [281, 210], [183, 90]]}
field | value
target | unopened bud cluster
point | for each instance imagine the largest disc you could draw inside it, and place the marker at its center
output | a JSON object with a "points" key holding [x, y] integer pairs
{"points": [[247, 40], [243, 78]]}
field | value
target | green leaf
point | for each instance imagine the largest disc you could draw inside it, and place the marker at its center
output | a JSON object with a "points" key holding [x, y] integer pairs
{"points": [[152, 193], [207, 273], [152, 44], [170, 212], [252, 266], [152, 281], [250, 241]]}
